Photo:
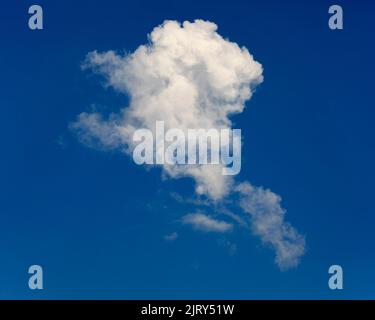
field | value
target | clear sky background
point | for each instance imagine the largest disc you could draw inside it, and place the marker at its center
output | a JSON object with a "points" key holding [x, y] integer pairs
{"points": [[96, 222]]}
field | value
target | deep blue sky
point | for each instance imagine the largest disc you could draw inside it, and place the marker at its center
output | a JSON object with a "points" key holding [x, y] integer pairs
{"points": [[96, 222]]}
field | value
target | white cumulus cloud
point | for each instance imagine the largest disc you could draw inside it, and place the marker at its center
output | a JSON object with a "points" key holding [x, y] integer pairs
{"points": [[190, 77]]}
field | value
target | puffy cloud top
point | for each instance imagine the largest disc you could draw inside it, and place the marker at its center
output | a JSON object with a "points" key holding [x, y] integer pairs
{"points": [[188, 76]]}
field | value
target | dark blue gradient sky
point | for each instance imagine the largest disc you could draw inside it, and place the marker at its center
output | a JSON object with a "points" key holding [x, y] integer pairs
{"points": [[96, 222]]}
